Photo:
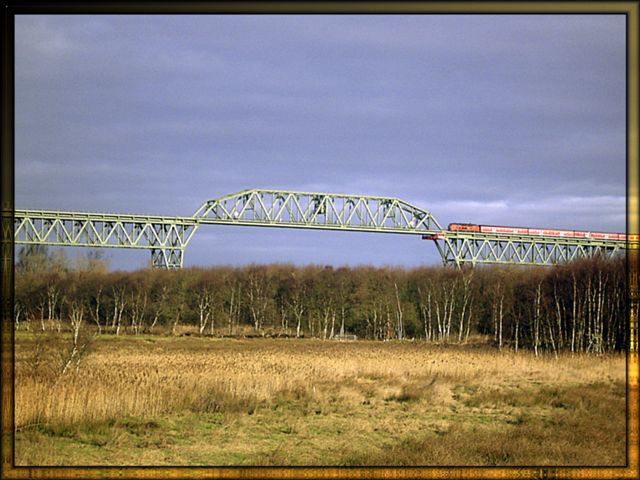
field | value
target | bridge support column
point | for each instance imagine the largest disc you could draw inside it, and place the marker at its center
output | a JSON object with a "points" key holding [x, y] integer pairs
{"points": [[449, 254], [167, 257]]}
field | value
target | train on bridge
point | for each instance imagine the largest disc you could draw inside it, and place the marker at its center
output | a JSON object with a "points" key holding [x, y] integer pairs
{"points": [[167, 237], [472, 227]]}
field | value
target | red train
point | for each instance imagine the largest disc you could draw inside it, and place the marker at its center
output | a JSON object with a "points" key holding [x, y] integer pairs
{"points": [[471, 227]]}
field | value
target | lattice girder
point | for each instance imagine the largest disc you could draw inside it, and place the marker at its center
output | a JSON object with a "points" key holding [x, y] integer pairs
{"points": [[478, 248], [167, 237], [167, 258], [101, 230], [277, 208]]}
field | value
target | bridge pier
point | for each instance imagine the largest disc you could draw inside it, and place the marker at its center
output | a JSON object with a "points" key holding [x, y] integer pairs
{"points": [[167, 257]]}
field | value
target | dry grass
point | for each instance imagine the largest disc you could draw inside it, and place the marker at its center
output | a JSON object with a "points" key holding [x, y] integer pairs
{"points": [[270, 402]]}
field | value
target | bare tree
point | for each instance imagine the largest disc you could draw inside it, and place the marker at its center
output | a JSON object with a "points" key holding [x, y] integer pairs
{"points": [[203, 298], [138, 307], [234, 293], [536, 318], [426, 312], [497, 311], [297, 305], [399, 314], [95, 312], [76, 319], [159, 307], [466, 302], [119, 304], [258, 299], [53, 297]]}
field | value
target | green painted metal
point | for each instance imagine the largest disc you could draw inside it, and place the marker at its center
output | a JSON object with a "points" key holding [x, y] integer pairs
{"points": [[330, 211], [458, 248], [167, 237]]}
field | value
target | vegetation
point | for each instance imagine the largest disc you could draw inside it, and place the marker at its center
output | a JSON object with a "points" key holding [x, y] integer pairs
{"points": [[233, 366], [163, 400], [576, 307]]}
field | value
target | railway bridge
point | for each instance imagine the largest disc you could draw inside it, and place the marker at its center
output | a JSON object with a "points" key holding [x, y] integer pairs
{"points": [[167, 237]]}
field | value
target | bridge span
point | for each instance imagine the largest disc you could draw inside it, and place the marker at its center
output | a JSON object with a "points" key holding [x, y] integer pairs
{"points": [[168, 236]]}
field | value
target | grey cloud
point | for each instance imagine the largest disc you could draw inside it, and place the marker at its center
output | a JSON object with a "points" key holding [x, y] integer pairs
{"points": [[158, 113]]}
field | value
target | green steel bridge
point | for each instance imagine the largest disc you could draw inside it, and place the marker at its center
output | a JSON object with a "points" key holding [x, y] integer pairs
{"points": [[167, 237]]}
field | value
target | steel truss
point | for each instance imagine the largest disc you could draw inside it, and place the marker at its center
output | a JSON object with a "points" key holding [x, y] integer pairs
{"points": [[477, 248], [167, 237], [277, 208]]}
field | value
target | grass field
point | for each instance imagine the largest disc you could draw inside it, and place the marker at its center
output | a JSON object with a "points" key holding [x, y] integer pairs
{"points": [[201, 401]]}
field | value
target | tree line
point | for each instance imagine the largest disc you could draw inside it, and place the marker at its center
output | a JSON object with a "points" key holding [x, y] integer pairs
{"points": [[578, 307]]}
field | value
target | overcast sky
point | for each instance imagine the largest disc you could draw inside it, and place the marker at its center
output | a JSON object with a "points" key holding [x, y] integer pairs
{"points": [[514, 120]]}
